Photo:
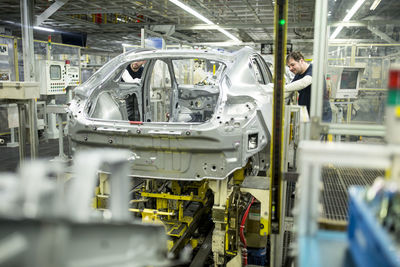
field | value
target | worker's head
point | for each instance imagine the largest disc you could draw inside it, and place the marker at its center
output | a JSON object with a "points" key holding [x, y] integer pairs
{"points": [[135, 66], [295, 62]]}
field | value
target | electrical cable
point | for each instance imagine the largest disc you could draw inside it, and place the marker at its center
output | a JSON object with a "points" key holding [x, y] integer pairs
{"points": [[242, 237]]}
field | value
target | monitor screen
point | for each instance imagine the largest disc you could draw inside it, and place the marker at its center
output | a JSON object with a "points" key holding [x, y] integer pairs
{"points": [[349, 79], [55, 72], [74, 38]]}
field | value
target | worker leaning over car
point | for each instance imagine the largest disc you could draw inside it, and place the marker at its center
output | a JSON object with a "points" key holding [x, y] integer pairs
{"points": [[302, 83], [302, 79]]}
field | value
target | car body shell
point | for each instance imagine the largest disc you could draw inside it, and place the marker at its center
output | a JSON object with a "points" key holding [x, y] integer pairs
{"points": [[237, 130]]}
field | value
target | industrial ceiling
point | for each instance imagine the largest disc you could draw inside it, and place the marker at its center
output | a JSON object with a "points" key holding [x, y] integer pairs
{"points": [[109, 24]]}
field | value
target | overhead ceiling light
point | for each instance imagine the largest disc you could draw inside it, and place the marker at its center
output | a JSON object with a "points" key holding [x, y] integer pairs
{"points": [[375, 4], [348, 16], [191, 11], [234, 38], [336, 32], [127, 44], [35, 27], [43, 29], [204, 19], [353, 10]]}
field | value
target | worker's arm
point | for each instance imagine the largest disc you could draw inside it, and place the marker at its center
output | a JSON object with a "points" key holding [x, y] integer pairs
{"points": [[299, 84], [126, 77]]}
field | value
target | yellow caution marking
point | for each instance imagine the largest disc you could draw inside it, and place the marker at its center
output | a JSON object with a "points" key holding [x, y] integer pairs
{"points": [[397, 111]]}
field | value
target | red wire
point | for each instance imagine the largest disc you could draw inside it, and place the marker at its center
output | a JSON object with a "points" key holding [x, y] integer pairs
{"points": [[242, 238]]}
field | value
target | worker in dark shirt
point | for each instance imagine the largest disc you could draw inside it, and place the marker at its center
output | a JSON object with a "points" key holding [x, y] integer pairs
{"points": [[133, 73], [302, 83], [302, 79]]}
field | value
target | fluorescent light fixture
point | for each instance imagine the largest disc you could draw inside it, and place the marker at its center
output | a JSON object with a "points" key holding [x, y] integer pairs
{"points": [[353, 10], [336, 32], [348, 16], [191, 11], [204, 19], [228, 34], [375, 4], [43, 29], [35, 27]]}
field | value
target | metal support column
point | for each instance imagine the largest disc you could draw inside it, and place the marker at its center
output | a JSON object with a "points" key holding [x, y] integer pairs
{"points": [[164, 43], [317, 88], [61, 155], [59, 110], [142, 39], [16, 59], [21, 131], [29, 72], [12, 142], [52, 131], [352, 63]]}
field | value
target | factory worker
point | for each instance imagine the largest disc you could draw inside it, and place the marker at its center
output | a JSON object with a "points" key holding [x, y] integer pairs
{"points": [[302, 79], [302, 83], [133, 71], [133, 74]]}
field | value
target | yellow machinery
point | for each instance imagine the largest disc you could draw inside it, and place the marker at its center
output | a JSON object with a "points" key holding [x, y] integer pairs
{"points": [[191, 210], [178, 205]]}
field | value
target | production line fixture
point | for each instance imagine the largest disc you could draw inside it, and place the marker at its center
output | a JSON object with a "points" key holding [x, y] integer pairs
{"points": [[198, 126], [46, 219]]}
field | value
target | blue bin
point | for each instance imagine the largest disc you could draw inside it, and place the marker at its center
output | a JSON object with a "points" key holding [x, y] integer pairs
{"points": [[370, 244], [256, 256]]}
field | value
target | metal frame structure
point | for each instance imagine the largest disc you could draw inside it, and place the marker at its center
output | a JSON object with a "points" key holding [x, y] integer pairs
{"points": [[316, 127], [251, 20], [108, 26], [52, 223], [24, 94], [313, 155]]}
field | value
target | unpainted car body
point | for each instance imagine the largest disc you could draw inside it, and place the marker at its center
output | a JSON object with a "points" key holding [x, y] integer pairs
{"points": [[200, 114]]}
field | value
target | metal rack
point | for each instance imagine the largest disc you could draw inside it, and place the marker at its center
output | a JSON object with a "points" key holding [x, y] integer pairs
{"points": [[336, 182], [315, 244]]}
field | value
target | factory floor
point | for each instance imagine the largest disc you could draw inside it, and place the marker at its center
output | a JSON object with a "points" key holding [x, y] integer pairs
{"points": [[9, 156]]}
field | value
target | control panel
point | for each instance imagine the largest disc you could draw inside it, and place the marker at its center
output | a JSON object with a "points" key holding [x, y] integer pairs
{"points": [[51, 76], [73, 76], [345, 81]]}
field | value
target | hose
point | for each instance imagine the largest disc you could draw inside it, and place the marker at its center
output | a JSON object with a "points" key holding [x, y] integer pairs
{"points": [[242, 238]]}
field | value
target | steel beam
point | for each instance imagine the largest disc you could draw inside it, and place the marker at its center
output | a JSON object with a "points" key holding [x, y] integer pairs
{"points": [[268, 26], [356, 129], [381, 34], [49, 11], [361, 23]]}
